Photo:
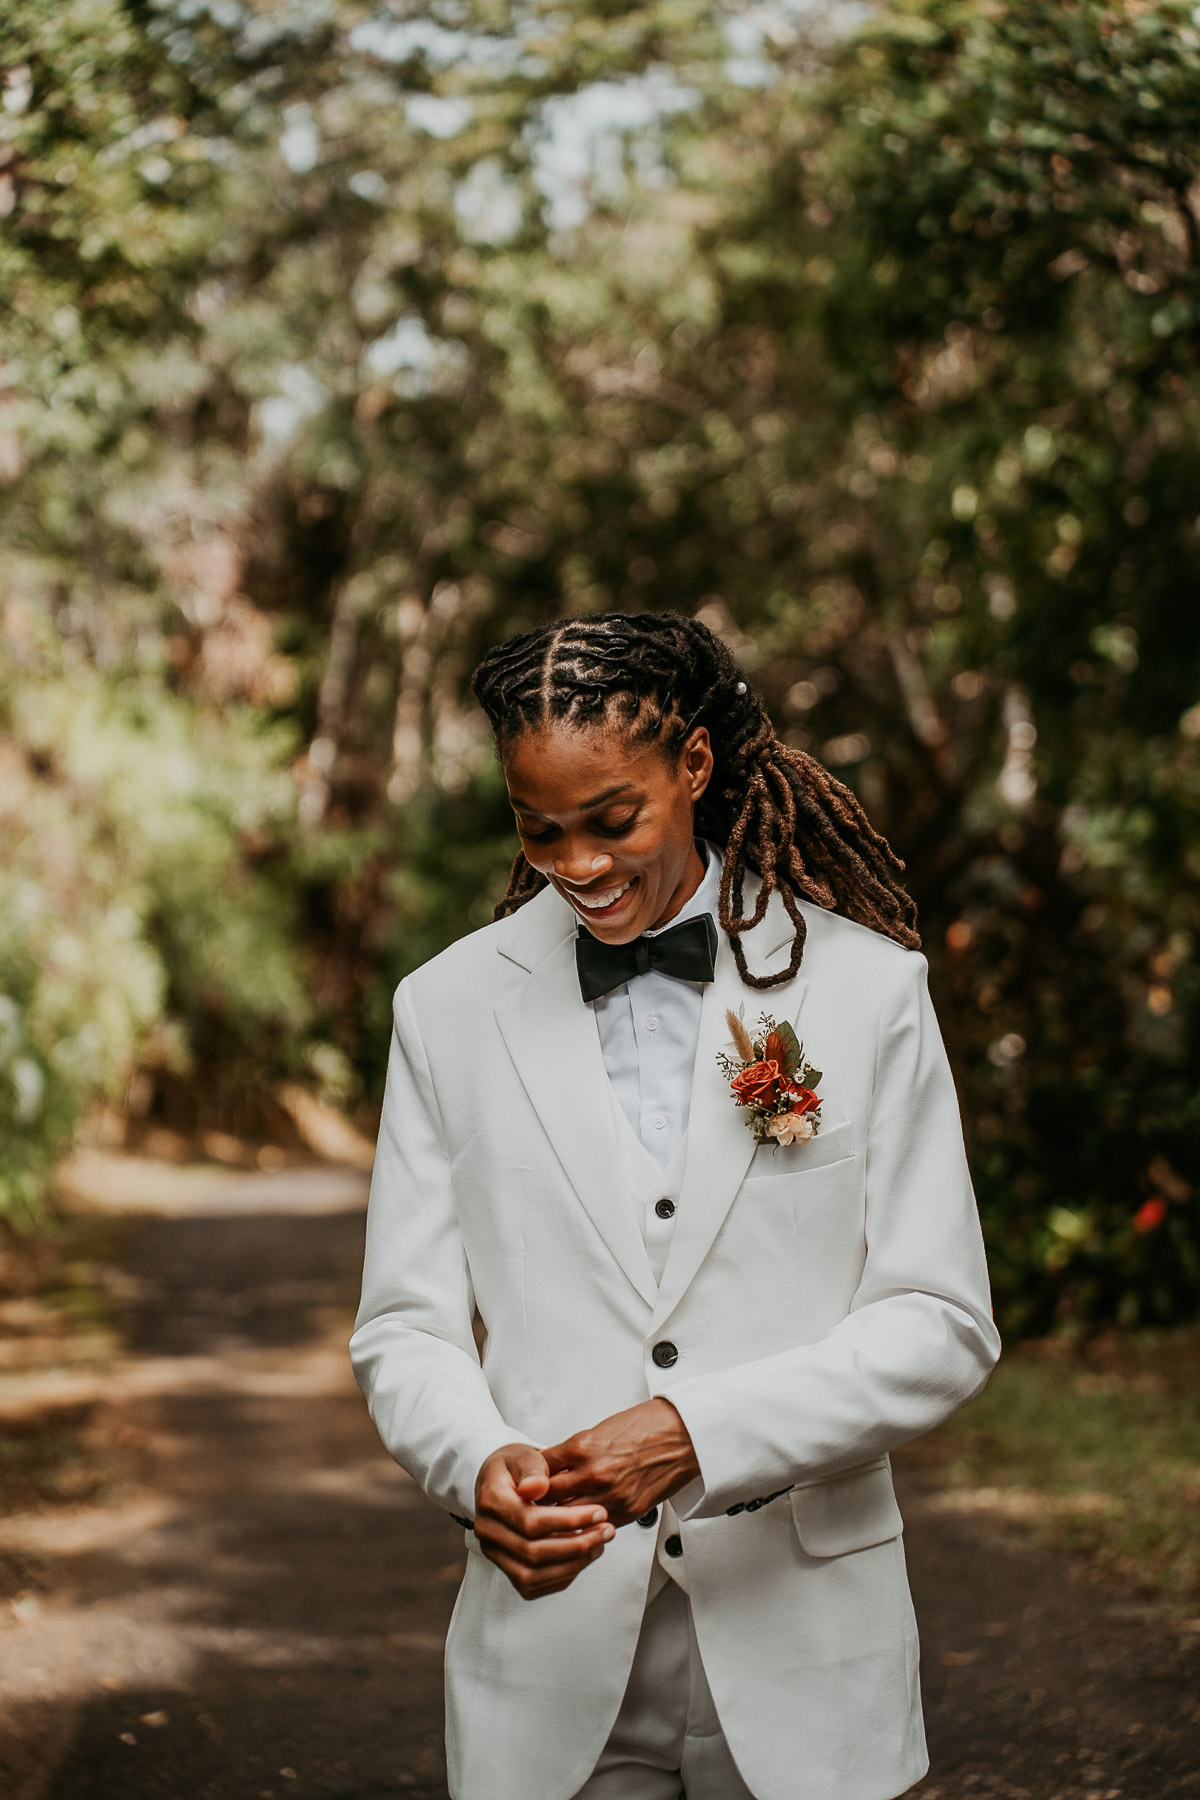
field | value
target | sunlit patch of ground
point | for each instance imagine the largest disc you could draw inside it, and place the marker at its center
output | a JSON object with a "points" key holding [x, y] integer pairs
{"points": [[1094, 1449], [222, 1587], [202, 1534], [58, 1446]]}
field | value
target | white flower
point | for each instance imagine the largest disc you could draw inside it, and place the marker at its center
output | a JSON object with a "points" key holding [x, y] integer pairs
{"points": [[792, 1128]]}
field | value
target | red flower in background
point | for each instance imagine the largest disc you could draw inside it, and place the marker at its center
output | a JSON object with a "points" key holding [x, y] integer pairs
{"points": [[1151, 1215]]}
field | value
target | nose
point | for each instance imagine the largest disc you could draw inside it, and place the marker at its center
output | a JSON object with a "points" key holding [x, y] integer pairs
{"points": [[578, 867]]}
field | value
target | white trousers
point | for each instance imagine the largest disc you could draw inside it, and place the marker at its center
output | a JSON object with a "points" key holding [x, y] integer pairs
{"points": [[667, 1743]]}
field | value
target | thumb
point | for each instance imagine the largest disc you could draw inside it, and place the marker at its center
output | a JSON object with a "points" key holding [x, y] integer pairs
{"points": [[527, 1467]]}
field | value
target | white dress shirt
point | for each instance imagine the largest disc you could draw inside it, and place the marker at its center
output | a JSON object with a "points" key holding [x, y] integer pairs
{"points": [[649, 1028]]}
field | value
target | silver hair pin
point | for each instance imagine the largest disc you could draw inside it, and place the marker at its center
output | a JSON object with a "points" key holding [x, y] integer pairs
{"points": [[741, 688]]}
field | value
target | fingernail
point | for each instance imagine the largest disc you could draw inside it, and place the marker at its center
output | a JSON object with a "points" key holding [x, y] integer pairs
{"points": [[610, 1531], [597, 1517]]}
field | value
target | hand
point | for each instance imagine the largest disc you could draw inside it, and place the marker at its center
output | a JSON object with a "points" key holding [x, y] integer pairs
{"points": [[627, 1463], [540, 1548]]}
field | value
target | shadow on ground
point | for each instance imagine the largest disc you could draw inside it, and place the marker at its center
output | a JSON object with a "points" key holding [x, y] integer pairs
{"points": [[259, 1612], [1039, 1682], [262, 1611]]}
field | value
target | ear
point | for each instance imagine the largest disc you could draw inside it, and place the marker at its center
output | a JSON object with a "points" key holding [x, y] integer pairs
{"points": [[696, 761]]}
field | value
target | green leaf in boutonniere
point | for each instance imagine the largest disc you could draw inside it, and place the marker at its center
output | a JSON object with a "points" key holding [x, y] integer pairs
{"points": [[783, 1046]]}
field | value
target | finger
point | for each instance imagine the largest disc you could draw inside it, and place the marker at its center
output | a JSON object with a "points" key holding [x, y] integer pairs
{"points": [[538, 1521], [533, 1486], [561, 1456], [547, 1555], [619, 1506], [523, 1463], [541, 1551], [532, 1584], [572, 1484]]}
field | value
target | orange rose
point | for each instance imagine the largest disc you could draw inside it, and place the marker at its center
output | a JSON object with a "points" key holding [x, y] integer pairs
{"points": [[758, 1085], [801, 1099]]}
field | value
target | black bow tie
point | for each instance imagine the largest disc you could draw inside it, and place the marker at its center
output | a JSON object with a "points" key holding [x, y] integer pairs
{"points": [[688, 952]]}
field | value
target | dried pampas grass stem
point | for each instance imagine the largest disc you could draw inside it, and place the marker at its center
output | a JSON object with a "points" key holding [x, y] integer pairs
{"points": [[740, 1036]]}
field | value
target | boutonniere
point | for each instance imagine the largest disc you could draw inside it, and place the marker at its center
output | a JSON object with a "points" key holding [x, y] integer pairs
{"points": [[771, 1080]]}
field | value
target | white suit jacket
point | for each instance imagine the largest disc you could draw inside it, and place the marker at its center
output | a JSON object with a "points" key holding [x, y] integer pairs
{"points": [[826, 1302]]}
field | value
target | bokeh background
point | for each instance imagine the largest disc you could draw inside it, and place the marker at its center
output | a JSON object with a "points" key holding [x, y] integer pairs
{"points": [[340, 340]]}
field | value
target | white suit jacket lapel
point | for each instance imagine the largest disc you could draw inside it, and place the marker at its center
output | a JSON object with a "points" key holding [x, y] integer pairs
{"points": [[551, 1036], [719, 1143]]}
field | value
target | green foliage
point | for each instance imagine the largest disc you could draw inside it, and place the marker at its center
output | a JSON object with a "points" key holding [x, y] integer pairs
{"points": [[322, 374], [139, 918], [1014, 308], [1095, 1450]]}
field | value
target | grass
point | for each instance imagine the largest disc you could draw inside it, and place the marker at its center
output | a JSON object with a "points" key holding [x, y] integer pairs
{"points": [[1094, 1449]]}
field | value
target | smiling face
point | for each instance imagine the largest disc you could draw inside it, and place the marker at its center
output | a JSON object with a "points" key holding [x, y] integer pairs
{"points": [[608, 821]]}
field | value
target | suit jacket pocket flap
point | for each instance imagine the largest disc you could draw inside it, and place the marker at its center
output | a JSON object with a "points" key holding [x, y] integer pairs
{"points": [[848, 1512], [831, 1146]]}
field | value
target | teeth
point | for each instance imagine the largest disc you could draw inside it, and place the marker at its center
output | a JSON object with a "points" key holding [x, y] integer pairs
{"points": [[596, 901]]}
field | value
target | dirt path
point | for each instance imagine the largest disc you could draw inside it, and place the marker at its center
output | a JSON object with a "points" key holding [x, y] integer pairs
{"points": [[260, 1612]]}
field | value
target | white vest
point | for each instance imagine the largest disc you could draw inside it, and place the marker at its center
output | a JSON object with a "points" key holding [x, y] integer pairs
{"points": [[649, 1187]]}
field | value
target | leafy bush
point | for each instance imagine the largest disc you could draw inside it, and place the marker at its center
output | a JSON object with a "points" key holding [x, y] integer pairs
{"points": [[137, 904], [880, 353]]}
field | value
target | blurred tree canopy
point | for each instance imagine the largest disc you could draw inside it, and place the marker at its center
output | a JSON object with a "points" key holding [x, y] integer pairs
{"points": [[341, 340]]}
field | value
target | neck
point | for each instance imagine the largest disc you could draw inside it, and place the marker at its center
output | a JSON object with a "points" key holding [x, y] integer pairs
{"points": [[690, 880]]}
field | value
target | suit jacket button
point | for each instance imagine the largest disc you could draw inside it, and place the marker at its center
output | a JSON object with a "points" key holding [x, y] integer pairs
{"points": [[674, 1545], [649, 1518], [665, 1209], [665, 1355]]}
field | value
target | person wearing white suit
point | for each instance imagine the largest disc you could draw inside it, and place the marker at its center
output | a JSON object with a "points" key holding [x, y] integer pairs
{"points": [[569, 1184]]}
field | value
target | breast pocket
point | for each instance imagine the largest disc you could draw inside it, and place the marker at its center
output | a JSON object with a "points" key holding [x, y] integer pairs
{"points": [[790, 1160]]}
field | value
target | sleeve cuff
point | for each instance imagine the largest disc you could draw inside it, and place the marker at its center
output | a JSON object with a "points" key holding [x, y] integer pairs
{"points": [[703, 1497]]}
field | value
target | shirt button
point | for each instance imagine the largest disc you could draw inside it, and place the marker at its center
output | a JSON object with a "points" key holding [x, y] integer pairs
{"points": [[673, 1545], [649, 1518], [665, 1355], [658, 1122], [665, 1209], [652, 1023]]}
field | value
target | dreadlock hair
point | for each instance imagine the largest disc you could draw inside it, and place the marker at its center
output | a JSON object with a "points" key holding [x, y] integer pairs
{"points": [[772, 809]]}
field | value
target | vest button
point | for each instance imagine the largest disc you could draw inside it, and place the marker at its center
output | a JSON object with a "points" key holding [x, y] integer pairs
{"points": [[665, 1355], [665, 1209], [674, 1545], [649, 1518]]}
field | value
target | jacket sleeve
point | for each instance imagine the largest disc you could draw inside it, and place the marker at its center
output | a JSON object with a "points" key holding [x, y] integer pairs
{"points": [[918, 1341], [413, 1351]]}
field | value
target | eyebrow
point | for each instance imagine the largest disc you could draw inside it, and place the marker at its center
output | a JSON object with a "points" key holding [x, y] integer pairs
{"points": [[611, 793]]}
